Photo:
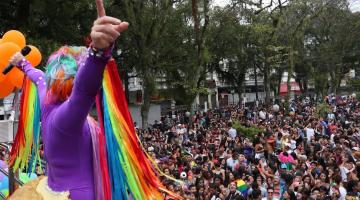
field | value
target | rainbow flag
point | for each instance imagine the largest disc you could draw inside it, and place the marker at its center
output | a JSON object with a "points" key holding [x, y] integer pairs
{"points": [[241, 185]]}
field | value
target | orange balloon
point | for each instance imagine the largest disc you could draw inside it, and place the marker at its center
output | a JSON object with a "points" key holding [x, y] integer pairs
{"points": [[7, 50], [16, 77], [15, 37], [2, 76], [5, 88], [34, 57], [1, 41]]}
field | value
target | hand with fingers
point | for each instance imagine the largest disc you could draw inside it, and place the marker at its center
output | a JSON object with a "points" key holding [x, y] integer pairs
{"points": [[15, 59], [105, 29]]}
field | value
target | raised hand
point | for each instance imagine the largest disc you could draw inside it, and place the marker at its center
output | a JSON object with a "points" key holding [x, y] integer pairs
{"points": [[105, 29]]}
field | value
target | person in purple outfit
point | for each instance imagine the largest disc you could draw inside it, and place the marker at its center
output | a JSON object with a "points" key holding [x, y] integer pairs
{"points": [[67, 92]]}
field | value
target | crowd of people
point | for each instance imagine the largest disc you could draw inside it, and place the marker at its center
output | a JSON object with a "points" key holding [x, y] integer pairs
{"points": [[300, 153]]}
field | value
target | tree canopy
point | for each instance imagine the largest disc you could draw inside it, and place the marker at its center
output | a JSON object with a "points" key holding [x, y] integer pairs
{"points": [[181, 41]]}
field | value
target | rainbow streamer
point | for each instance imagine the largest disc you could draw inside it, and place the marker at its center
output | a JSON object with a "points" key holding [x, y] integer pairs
{"points": [[25, 150], [131, 172]]}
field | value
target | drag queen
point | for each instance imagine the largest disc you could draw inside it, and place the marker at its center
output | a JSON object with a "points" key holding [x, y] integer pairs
{"points": [[67, 92]]}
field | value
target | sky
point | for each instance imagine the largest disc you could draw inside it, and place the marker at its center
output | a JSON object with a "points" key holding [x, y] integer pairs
{"points": [[354, 4]]}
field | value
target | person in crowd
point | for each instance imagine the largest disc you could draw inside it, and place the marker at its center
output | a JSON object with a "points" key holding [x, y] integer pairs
{"points": [[295, 155]]}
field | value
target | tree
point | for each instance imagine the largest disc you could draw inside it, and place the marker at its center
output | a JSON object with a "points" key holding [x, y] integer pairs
{"points": [[355, 84], [227, 41], [199, 10], [264, 50], [142, 46], [48, 24], [334, 45]]}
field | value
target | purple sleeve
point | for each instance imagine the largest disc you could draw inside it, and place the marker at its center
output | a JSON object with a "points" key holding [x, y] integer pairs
{"points": [[71, 115], [36, 76]]}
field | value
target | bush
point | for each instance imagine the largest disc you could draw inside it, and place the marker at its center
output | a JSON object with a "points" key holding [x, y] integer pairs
{"points": [[322, 110], [355, 84], [248, 132]]}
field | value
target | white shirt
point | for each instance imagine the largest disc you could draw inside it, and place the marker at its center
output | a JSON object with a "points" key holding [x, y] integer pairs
{"points": [[331, 116], [262, 115], [230, 162], [293, 144], [309, 133], [344, 171], [232, 132], [342, 191]]}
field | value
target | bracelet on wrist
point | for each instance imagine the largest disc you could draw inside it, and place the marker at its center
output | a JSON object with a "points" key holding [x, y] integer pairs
{"points": [[22, 63], [100, 53]]}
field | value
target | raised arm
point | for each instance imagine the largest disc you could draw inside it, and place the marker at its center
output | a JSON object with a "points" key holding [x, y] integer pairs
{"points": [[36, 76], [71, 115]]}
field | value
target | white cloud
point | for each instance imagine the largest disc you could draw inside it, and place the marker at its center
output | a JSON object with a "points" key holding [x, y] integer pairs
{"points": [[221, 3], [354, 5]]}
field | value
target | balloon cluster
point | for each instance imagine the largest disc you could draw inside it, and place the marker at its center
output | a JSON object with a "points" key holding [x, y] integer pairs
{"points": [[13, 41]]}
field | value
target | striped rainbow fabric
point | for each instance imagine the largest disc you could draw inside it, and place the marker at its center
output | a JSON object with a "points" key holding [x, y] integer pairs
{"points": [[131, 172], [25, 150]]}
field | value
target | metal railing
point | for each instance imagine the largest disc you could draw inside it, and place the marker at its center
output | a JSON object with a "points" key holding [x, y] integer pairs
{"points": [[10, 174], [2, 196], [17, 180]]}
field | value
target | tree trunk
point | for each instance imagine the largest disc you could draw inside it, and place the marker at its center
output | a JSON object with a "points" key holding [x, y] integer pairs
{"points": [[298, 81], [305, 86], [239, 91], [338, 77], [290, 72], [145, 107], [279, 78], [256, 83], [199, 43], [194, 7], [332, 82], [266, 81]]}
